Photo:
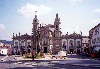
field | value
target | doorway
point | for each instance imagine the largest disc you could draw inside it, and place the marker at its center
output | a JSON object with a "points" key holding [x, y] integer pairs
{"points": [[45, 49]]}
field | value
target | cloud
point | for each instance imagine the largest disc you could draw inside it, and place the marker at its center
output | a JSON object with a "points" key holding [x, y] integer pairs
{"points": [[2, 27], [97, 10], [75, 0], [29, 10]]}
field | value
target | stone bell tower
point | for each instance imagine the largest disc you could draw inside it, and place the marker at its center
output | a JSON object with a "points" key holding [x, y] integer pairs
{"points": [[57, 22], [57, 35], [35, 32]]}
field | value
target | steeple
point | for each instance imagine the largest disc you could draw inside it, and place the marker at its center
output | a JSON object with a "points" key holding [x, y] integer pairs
{"points": [[35, 30], [36, 16], [57, 15], [35, 22], [57, 22], [57, 19], [35, 19]]}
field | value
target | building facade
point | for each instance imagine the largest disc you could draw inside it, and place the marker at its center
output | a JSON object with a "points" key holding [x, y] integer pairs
{"points": [[94, 35], [5, 49], [46, 38], [21, 42], [72, 42], [46, 41], [86, 44]]}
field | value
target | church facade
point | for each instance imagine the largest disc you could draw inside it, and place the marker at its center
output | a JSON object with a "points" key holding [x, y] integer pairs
{"points": [[47, 38]]}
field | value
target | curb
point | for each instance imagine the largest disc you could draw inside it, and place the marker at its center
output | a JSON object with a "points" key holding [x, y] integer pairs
{"points": [[3, 59], [85, 65]]}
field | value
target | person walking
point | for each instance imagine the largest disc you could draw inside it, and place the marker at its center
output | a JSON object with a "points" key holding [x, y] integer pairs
{"points": [[32, 54], [83, 54]]}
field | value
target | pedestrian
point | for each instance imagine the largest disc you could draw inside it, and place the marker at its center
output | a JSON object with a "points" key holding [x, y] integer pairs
{"points": [[83, 54], [71, 53], [32, 54]]}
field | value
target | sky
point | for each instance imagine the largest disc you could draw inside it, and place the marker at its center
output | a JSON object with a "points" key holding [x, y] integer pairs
{"points": [[75, 15]]}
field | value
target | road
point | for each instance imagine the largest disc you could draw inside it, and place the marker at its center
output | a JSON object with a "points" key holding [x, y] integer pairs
{"points": [[2, 57], [71, 62]]}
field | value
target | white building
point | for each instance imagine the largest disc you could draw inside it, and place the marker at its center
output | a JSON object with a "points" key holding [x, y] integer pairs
{"points": [[6, 51], [3, 51], [85, 43], [1, 44], [72, 42], [21, 41], [95, 37]]}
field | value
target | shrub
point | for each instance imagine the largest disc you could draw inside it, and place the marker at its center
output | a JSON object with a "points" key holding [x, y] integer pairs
{"points": [[37, 56], [28, 55]]}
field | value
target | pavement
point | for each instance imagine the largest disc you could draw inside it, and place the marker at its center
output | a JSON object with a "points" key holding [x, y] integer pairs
{"points": [[74, 58], [3, 58], [68, 57], [70, 60]]}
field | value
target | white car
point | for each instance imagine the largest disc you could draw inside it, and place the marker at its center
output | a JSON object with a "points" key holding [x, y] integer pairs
{"points": [[61, 54]]}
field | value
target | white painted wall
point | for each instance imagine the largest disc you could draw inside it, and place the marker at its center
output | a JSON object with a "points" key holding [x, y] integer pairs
{"points": [[4, 51], [51, 46], [29, 41], [95, 37], [52, 29], [85, 40], [1, 44], [16, 41], [23, 42]]}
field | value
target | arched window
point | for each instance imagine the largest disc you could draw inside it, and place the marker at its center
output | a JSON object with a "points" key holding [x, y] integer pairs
{"points": [[56, 27], [71, 44]]}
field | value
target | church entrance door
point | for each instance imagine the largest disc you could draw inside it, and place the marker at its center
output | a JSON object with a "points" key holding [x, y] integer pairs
{"points": [[45, 49]]}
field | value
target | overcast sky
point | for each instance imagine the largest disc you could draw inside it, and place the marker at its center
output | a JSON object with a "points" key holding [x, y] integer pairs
{"points": [[75, 15]]}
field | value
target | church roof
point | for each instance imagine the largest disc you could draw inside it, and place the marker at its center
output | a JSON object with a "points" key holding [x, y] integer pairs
{"points": [[25, 36], [73, 36]]}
